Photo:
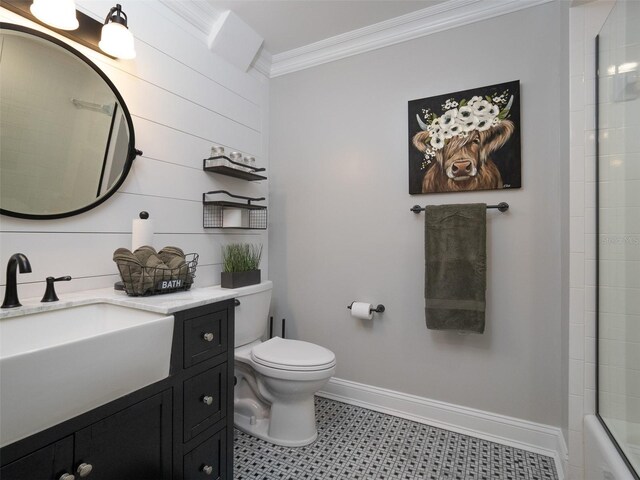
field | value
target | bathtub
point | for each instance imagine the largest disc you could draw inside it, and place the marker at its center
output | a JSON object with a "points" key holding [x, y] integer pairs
{"points": [[601, 458]]}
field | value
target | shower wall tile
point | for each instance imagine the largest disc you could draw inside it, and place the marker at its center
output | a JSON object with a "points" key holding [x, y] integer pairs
{"points": [[576, 342], [575, 412], [576, 377], [576, 448], [576, 225], [576, 93], [589, 401], [589, 325], [576, 194], [576, 270], [576, 130], [589, 350], [576, 305]]}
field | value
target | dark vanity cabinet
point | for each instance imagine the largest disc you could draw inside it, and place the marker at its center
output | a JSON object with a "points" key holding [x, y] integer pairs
{"points": [[178, 428], [203, 425]]}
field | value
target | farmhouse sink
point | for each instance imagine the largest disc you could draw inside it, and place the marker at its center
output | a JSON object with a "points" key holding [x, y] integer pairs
{"points": [[58, 364]]}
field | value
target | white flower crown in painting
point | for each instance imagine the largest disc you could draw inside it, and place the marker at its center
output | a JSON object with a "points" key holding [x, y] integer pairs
{"points": [[461, 118]]}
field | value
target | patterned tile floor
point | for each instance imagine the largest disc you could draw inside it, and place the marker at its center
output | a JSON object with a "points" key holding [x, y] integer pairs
{"points": [[355, 443]]}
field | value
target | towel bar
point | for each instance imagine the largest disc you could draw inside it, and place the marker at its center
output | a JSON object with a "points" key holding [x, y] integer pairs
{"points": [[502, 206]]}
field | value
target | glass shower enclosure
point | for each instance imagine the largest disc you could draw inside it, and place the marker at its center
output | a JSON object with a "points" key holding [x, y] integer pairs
{"points": [[618, 229]]}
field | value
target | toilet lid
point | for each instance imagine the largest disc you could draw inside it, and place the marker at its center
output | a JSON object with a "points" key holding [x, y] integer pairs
{"points": [[292, 355]]}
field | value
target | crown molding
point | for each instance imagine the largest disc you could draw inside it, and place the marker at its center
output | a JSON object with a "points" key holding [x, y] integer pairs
{"points": [[198, 13], [440, 17], [262, 63]]}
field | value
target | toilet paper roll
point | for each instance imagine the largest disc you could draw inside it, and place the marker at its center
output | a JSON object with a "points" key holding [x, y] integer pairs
{"points": [[232, 217], [361, 310], [141, 233]]}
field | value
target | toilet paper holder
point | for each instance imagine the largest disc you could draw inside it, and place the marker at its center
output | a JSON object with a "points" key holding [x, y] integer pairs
{"points": [[378, 309]]}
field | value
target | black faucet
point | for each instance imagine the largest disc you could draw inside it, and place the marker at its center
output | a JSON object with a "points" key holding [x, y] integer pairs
{"points": [[11, 291]]}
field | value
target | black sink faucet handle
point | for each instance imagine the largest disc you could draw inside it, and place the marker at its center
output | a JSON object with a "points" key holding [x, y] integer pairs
{"points": [[50, 292]]}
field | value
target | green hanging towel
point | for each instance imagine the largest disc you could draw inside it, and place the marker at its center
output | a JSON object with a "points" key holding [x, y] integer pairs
{"points": [[455, 266]]}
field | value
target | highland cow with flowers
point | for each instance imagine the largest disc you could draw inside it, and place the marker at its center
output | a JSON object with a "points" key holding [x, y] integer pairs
{"points": [[465, 141]]}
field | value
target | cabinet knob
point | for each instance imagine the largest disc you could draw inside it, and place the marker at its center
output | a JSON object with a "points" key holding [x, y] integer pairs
{"points": [[208, 336], [67, 476], [207, 399], [207, 469], [84, 469]]}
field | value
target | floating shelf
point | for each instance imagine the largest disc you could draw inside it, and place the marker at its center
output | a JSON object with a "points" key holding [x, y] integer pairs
{"points": [[225, 166], [231, 214]]}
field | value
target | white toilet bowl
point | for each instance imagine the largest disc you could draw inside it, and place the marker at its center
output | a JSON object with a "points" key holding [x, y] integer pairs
{"points": [[276, 382], [275, 379]]}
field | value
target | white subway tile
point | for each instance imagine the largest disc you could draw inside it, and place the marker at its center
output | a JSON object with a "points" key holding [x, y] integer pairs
{"points": [[589, 349], [576, 406], [576, 93], [576, 128], [590, 376], [589, 401], [576, 377], [576, 198], [590, 272], [576, 270], [589, 144], [576, 456], [577, 162], [576, 234], [590, 324], [589, 168], [576, 342], [575, 472]]}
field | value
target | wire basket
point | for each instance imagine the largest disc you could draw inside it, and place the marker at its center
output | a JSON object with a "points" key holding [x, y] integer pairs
{"points": [[253, 218], [144, 281], [250, 215]]}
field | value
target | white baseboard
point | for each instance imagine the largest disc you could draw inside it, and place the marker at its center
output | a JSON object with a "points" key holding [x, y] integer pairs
{"points": [[535, 437]]}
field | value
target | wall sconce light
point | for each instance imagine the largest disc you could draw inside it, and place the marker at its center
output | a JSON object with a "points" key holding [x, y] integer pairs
{"points": [[60, 14], [116, 39]]}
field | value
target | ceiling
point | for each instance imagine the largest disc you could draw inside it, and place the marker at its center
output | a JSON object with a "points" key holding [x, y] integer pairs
{"points": [[289, 24]]}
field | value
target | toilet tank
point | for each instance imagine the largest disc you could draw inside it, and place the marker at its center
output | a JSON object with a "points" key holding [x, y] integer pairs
{"points": [[251, 316]]}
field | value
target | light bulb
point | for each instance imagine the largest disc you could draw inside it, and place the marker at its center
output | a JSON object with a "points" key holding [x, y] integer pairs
{"points": [[117, 41], [59, 14]]}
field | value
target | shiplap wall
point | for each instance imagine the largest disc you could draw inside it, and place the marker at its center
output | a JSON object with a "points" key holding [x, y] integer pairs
{"points": [[183, 98]]}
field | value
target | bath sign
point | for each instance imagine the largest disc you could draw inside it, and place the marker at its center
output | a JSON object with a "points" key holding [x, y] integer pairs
{"points": [[170, 284], [464, 141]]}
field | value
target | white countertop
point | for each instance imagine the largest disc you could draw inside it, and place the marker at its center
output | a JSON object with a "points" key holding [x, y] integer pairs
{"points": [[166, 304]]}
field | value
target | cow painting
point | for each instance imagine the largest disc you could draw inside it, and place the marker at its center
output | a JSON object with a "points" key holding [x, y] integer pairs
{"points": [[466, 141]]}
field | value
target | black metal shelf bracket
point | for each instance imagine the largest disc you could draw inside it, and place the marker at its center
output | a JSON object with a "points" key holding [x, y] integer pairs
{"points": [[248, 199]]}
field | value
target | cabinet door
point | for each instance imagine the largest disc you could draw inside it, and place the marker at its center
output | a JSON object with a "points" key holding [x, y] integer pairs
{"points": [[49, 463], [133, 444]]}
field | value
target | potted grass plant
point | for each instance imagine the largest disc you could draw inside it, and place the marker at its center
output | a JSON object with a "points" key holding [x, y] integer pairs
{"points": [[240, 265]]}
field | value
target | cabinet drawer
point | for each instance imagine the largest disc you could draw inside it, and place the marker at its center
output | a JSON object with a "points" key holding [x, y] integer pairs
{"points": [[205, 400], [205, 337], [207, 460]]}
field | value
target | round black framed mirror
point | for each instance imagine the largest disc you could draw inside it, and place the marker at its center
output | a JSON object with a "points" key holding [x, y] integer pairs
{"points": [[67, 140]]}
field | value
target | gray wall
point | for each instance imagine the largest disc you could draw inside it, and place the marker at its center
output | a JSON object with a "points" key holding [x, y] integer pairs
{"points": [[341, 229]]}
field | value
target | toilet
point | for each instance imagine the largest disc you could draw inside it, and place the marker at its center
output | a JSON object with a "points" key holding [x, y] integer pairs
{"points": [[275, 379]]}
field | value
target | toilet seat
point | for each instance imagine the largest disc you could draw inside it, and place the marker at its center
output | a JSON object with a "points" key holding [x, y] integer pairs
{"points": [[292, 356]]}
